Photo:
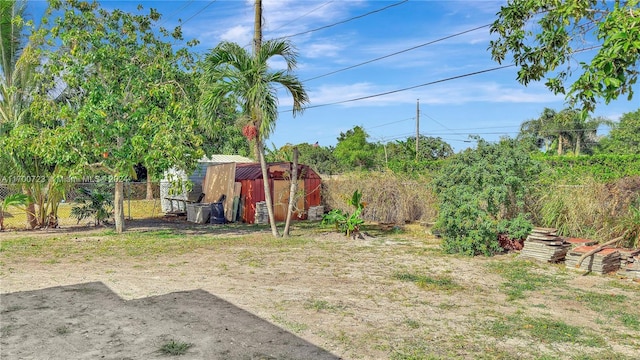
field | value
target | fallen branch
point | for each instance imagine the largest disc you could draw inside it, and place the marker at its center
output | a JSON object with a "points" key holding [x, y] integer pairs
{"points": [[597, 249]]}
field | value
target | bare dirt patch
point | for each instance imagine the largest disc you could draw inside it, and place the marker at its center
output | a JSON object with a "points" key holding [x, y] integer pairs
{"points": [[388, 296]]}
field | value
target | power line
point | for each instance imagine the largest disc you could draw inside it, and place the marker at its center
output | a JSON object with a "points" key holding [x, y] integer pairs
{"points": [[301, 16], [199, 11], [399, 52], [410, 87], [344, 21], [176, 12], [391, 123]]}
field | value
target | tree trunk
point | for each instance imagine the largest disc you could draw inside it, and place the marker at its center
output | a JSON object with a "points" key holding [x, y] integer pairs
{"points": [[118, 206], [32, 219], [293, 189], [267, 188], [560, 141], [578, 143], [149, 185]]}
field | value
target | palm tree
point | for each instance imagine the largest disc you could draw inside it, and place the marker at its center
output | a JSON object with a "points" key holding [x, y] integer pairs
{"points": [[18, 61], [231, 72], [541, 129]]}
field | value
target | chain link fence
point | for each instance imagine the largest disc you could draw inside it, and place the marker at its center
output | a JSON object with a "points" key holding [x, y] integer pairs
{"points": [[139, 203]]}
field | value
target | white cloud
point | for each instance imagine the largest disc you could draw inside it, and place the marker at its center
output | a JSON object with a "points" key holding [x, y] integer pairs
{"points": [[455, 94], [318, 50], [239, 34]]}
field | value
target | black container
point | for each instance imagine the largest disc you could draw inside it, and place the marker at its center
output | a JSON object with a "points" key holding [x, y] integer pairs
{"points": [[217, 213]]}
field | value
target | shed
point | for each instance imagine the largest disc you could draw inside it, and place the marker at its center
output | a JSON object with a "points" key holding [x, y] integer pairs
{"points": [[196, 178], [252, 189]]}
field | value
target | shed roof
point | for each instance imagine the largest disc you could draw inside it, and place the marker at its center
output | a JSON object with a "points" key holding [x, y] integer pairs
{"points": [[252, 171], [217, 158]]}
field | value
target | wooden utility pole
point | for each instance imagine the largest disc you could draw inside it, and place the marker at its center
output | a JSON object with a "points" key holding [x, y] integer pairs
{"points": [[257, 27], [417, 127]]}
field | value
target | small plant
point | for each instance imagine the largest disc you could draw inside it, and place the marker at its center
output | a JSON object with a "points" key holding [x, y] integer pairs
{"points": [[96, 203], [62, 330], [17, 200], [345, 222], [174, 347]]}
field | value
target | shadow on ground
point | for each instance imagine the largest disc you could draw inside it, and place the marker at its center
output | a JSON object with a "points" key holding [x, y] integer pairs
{"points": [[89, 321]]}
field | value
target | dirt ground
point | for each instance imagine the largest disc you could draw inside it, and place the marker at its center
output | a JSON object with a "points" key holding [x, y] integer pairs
{"points": [[326, 298]]}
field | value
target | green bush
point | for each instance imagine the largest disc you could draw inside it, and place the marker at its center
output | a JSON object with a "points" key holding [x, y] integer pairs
{"points": [[96, 203], [482, 191]]}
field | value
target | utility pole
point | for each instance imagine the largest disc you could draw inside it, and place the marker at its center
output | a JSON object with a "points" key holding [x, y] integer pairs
{"points": [[417, 127], [257, 27]]}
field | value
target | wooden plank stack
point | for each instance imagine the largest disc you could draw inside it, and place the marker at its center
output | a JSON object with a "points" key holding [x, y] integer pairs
{"points": [[543, 244], [603, 262], [630, 263]]}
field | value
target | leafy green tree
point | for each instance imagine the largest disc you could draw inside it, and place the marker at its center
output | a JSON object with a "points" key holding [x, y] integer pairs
{"points": [[543, 37], [481, 191], [319, 158], [232, 74], [563, 129], [624, 137], [353, 150], [221, 132], [20, 89], [126, 103], [430, 148], [541, 130]]}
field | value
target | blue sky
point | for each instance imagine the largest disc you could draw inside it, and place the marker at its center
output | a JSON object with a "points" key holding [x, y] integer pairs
{"points": [[491, 104]]}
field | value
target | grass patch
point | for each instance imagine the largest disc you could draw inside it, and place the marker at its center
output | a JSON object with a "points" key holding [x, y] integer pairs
{"points": [[441, 282], [611, 305], [520, 278], [598, 301], [542, 330], [293, 326], [413, 351], [135, 244], [62, 330], [413, 324], [319, 305], [174, 347], [630, 321]]}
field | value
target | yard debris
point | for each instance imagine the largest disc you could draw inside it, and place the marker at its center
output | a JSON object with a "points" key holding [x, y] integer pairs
{"points": [[543, 244], [630, 263], [604, 261]]}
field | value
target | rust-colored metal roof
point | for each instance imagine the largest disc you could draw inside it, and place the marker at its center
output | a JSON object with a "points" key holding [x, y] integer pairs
{"points": [[249, 171]]}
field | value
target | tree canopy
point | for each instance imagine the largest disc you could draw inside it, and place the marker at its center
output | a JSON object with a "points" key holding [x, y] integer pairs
{"points": [[543, 38], [126, 101], [624, 137]]}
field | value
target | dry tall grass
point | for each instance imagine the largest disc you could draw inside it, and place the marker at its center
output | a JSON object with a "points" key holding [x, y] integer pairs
{"points": [[390, 198], [590, 209]]}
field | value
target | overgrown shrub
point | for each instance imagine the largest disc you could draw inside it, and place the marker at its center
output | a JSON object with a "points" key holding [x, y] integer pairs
{"points": [[480, 189], [390, 197]]}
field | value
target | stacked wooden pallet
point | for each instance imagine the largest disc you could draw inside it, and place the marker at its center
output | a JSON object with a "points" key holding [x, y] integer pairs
{"points": [[602, 262], [543, 244], [630, 263]]}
